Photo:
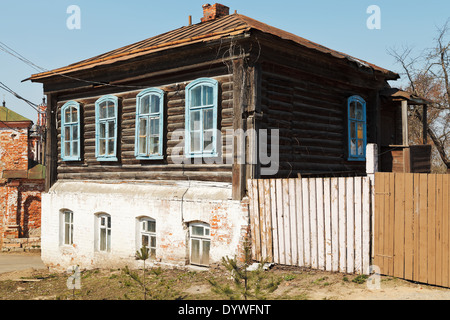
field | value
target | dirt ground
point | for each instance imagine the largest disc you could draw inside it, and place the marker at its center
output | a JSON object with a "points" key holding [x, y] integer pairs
{"points": [[277, 283]]}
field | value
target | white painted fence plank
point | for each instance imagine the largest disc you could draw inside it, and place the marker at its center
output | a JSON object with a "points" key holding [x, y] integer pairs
{"points": [[313, 221], [262, 219], [320, 224], [273, 205], [342, 226], [335, 223], [327, 223], [306, 223], [350, 212], [280, 220], [268, 221], [358, 224], [366, 221], [286, 215], [293, 221], [299, 214]]}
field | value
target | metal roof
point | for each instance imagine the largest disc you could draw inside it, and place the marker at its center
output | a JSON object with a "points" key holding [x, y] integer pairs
{"points": [[230, 25], [7, 115]]}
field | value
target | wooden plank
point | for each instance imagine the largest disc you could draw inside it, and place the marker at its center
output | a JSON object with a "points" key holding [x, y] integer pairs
{"points": [[286, 226], [399, 225], [320, 223], [409, 226], [358, 224], [268, 220], [313, 221], [350, 205], [378, 238], [391, 224], [431, 229], [252, 217], [342, 226], [439, 205], [445, 231], [273, 204], [306, 222], [262, 220], [416, 228], [366, 223], [327, 223], [423, 230], [293, 221], [280, 221], [334, 224], [299, 216]]}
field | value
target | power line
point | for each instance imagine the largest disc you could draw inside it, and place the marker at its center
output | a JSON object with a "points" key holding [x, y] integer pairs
{"points": [[33, 105]]}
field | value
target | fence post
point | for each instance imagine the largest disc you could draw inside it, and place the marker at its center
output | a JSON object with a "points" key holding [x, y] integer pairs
{"points": [[371, 168]]}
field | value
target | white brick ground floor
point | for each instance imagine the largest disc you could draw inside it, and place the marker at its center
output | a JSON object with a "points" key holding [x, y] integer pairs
{"points": [[102, 225]]}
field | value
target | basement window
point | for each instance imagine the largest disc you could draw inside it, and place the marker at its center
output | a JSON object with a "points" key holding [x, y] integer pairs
{"points": [[106, 113], [149, 124], [70, 131], [201, 118], [200, 243], [357, 139]]}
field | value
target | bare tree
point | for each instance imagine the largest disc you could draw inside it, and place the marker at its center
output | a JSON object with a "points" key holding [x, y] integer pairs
{"points": [[428, 77]]}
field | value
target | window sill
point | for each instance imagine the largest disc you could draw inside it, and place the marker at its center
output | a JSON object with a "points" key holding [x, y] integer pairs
{"points": [[112, 159], [356, 159], [150, 158]]}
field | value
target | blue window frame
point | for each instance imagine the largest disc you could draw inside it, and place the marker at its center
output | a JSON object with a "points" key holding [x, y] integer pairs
{"points": [[357, 135], [70, 131], [106, 111], [149, 124], [201, 118]]}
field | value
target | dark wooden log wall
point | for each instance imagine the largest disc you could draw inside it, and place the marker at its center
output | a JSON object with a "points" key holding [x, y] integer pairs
{"points": [[128, 167], [310, 112]]}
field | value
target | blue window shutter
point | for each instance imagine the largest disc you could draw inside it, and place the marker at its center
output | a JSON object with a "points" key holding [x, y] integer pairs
{"points": [[98, 120], [353, 120], [206, 83], [72, 156], [160, 94]]}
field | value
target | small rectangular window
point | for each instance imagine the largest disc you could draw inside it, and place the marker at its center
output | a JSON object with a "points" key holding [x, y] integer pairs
{"points": [[68, 228], [70, 132], [106, 128], [148, 235], [200, 244], [104, 233]]}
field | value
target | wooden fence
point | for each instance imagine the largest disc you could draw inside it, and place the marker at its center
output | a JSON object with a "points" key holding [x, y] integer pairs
{"points": [[322, 223], [412, 226]]}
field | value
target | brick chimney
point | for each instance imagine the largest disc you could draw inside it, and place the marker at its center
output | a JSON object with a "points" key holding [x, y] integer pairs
{"points": [[212, 12]]}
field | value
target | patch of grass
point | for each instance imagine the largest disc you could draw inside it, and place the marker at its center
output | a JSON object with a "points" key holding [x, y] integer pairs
{"points": [[289, 277], [361, 279]]}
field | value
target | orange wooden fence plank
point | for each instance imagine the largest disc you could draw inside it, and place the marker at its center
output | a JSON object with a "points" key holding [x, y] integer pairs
{"points": [[423, 229], [431, 229], [416, 227], [399, 225], [409, 226]]}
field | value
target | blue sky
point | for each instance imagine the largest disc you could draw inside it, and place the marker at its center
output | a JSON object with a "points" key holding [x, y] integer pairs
{"points": [[37, 30]]}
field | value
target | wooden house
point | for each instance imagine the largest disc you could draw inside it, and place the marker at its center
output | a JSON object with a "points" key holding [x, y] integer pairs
{"points": [[123, 172]]}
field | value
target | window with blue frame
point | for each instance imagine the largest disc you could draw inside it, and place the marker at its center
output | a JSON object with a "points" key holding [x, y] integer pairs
{"points": [[149, 124], [70, 131], [201, 118], [106, 112], [357, 139]]}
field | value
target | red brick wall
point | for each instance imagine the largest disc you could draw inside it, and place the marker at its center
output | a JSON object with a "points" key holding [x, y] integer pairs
{"points": [[13, 149]]}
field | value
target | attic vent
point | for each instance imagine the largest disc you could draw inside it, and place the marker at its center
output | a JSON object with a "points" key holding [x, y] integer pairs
{"points": [[212, 12]]}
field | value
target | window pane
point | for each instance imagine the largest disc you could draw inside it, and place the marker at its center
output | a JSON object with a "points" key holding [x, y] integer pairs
{"points": [[67, 234], [360, 130], [208, 140], [111, 109], [67, 116], [196, 97], [102, 131], [352, 110], [109, 222], [145, 105], [353, 147], [67, 136], [75, 148], [111, 133], [195, 142], [208, 95], [359, 112], [102, 147], [108, 242], [67, 149], [154, 145], [143, 145], [102, 239], [153, 242], [74, 114], [207, 119], [145, 241], [197, 231], [151, 226], [352, 129], [102, 108], [195, 120], [195, 251], [155, 102], [67, 217], [75, 132], [111, 146], [154, 126], [360, 148], [205, 252], [143, 127]]}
